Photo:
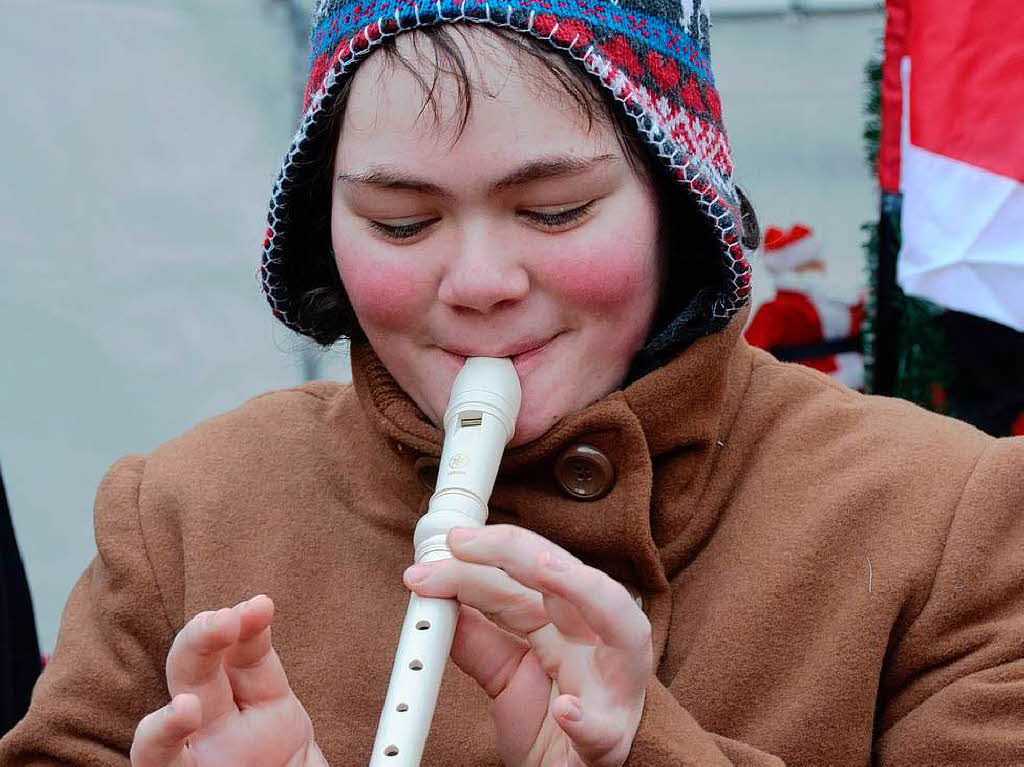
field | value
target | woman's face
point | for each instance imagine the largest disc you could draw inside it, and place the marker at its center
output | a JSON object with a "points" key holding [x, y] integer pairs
{"points": [[527, 236]]}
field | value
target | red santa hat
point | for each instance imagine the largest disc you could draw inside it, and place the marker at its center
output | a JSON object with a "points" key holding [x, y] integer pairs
{"points": [[784, 250]]}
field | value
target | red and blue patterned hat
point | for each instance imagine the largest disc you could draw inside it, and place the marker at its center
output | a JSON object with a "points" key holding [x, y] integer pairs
{"points": [[653, 56]]}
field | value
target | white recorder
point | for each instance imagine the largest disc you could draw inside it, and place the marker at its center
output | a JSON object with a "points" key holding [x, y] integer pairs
{"points": [[479, 422]]}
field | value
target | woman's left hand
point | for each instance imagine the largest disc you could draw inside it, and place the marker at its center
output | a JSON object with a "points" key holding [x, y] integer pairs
{"points": [[569, 690]]}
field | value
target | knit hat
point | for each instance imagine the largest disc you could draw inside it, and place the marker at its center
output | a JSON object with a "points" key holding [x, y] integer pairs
{"points": [[784, 250], [653, 56]]}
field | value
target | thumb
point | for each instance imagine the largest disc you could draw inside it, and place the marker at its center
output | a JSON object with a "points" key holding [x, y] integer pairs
{"points": [[486, 652], [599, 739], [160, 737]]}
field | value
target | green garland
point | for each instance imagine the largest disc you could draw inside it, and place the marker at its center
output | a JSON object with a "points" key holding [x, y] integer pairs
{"points": [[922, 368]]}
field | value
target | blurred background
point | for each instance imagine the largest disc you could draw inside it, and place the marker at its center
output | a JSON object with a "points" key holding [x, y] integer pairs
{"points": [[139, 143]]}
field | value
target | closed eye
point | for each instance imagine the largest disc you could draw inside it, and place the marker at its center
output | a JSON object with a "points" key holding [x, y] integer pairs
{"points": [[561, 218], [547, 220], [402, 231]]}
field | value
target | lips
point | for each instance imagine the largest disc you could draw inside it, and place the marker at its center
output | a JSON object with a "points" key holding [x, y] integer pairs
{"points": [[515, 351], [519, 360]]}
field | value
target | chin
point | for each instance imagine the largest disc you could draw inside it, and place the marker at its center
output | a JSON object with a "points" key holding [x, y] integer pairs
{"points": [[549, 395], [524, 435], [534, 422]]}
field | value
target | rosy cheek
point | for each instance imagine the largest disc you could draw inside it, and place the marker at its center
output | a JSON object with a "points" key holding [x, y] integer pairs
{"points": [[595, 276], [384, 292]]}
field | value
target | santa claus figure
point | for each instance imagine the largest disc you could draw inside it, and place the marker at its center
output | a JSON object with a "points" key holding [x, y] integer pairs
{"points": [[803, 323]]}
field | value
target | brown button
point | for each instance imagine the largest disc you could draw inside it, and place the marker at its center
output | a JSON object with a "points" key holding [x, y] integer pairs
{"points": [[426, 471], [584, 472]]}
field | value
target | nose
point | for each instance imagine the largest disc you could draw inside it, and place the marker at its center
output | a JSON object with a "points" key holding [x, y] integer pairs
{"points": [[483, 275]]}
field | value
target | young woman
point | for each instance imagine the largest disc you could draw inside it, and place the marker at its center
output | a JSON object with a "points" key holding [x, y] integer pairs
{"points": [[697, 555]]}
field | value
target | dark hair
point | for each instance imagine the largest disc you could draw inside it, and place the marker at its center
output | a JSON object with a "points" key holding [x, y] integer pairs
{"points": [[322, 306]]}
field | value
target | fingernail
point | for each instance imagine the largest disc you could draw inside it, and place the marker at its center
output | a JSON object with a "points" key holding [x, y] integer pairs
{"points": [[175, 704], [416, 573], [573, 712], [461, 534]]}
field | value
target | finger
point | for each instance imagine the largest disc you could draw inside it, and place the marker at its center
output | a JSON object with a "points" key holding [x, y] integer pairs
{"points": [[484, 651], [553, 650], [251, 664], [569, 620], [194, 663], [598, 737], [160, 737], [485, 648], [539, 564], [604, 603], [503, 666], [491, 591]]}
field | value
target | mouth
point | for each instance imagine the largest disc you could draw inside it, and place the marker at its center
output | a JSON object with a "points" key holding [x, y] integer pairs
{"points": [[520, 353], [523, 357]]}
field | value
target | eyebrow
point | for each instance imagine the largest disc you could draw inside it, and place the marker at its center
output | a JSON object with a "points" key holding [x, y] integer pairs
{"points": [[384, 177]]}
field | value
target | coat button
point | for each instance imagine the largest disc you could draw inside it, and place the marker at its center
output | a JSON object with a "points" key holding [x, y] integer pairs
{"points": [[584, 472], [426, 471]]}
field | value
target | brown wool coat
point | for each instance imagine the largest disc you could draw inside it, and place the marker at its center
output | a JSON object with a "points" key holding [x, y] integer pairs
{"points": [[832, 579]]}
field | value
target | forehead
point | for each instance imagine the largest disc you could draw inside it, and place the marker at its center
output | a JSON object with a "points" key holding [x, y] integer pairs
{"points": [[504, 103]]}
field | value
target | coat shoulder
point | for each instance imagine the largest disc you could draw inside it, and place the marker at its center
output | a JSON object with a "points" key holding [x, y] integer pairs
{"points": [[267, 422], [269, 441], [880, 460], [800, 403], [264, 466], [842, 472]]}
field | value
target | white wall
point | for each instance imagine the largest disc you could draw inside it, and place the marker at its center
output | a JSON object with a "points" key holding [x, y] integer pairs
{"points": [[721, 8], [793, 95]]}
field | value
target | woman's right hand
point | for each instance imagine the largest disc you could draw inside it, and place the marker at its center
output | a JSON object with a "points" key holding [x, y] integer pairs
{"points": [[230, 699]]}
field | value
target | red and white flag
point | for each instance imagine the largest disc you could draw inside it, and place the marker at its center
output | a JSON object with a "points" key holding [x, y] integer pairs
{"points": [[953, 143]]}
